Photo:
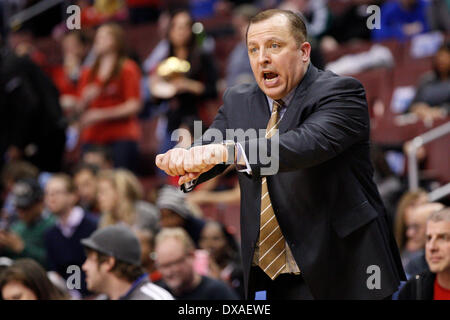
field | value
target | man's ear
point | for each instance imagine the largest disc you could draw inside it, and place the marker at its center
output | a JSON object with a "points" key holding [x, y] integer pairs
{"points": [[305, 49], [110, 263]]}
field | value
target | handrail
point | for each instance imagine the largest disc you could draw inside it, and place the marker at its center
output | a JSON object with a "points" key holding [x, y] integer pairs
{"points": [[30, 12], [439, 193], [416, 143]]}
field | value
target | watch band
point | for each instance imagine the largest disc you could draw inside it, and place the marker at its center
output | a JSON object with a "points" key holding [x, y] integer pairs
{"points": [[231, 149]]}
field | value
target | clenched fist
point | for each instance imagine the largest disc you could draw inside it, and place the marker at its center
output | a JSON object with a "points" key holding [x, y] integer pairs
{"points": [[189, 164]]}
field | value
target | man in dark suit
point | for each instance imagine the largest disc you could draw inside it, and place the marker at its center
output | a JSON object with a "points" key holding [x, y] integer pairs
{"points": [[313, 225]]}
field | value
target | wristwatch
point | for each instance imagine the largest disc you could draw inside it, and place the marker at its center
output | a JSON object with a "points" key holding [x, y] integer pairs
{"points": [[231, 149]]}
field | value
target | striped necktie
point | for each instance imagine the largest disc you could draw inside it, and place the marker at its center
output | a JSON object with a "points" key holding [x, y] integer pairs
{"points": [[272, 250]]}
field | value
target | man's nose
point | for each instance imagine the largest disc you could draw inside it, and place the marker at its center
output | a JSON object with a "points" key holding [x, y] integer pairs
{"points": [[432, 245], [263, 57]]}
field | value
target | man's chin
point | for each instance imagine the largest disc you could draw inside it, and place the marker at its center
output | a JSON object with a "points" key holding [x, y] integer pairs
{"points": [[274, 93]]}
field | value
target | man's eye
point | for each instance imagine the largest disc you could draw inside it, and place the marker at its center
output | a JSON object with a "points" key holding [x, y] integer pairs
{"points": [[252, 50], [275, 45]]}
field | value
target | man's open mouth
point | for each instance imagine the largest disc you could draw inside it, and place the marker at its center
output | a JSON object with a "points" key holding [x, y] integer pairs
{"points": [[270, 77]]}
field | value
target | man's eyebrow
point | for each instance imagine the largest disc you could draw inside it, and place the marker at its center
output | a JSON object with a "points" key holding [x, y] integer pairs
{"points": [[275, 39], [271, 39], [439, 234]]}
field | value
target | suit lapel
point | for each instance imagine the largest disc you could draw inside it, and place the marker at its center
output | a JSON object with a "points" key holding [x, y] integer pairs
{"points": [[297, 104], [258, 110]]}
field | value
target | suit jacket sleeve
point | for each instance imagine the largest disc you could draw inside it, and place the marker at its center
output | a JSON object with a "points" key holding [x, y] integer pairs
{"points": [[339, 120]]}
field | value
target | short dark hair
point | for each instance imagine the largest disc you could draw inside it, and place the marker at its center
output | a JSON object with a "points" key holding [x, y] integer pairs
{"points": [[104, 151], [121, 269], [297, 25], [93, 169]]}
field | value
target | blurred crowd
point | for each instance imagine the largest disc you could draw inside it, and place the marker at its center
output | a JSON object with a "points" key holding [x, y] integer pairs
{"points": [[84, 212]]}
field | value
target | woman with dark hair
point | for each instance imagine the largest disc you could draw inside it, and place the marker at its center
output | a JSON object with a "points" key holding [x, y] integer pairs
{"points": [[432, 100], [225, 260], [25, 279], [183, 85], [110, 98]]}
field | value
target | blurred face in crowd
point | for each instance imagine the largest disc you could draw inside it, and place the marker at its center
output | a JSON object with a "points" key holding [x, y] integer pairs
{"points": [[415, 221], [213, 240], [86, 184], [97, 159], [442, 61], [71, 45], [180, 29], [437, 249], [57, 198], [175, 264], [96, 274], [107, 196], [30, 214], [15, 290], [170, 219], [278, 62], [145, 239], [408, 3], [105, 41], [240, 25]]}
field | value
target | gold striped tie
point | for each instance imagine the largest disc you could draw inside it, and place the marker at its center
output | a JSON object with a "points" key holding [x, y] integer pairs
{"points": [[272, 249]]}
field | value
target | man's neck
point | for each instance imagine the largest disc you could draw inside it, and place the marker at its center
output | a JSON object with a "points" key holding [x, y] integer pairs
{"points": [[35, 219], [443, 279], [117, 288]]}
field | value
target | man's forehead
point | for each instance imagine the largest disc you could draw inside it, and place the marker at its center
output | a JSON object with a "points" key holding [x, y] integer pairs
{"points": [[55, 183], [170, 246], [276, 25], [438, 227]]}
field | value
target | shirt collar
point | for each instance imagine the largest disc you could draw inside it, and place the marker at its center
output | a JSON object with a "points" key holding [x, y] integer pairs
{"points": [[286, 99], [73, 221]]}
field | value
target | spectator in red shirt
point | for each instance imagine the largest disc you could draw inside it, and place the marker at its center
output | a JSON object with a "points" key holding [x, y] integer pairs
{"points": [[110, 98], [74, 48]]}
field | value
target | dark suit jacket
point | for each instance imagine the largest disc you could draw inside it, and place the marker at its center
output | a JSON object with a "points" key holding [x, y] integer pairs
{"points": [[323, 195]]}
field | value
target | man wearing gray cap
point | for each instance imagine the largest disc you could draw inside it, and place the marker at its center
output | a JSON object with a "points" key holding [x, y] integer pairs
{"points": [[113, 266], [175, 212], [25, 237]]}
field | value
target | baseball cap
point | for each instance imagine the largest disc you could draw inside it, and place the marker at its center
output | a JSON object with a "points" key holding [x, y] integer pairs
{"points": [[117, 241], [172, 198], [26, 192]]}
